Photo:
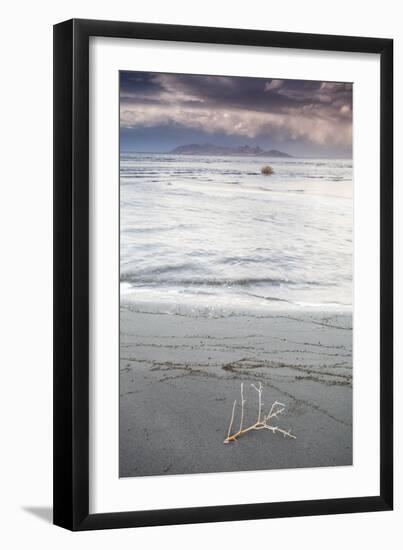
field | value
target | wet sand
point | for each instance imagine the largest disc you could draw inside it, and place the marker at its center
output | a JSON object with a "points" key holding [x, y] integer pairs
{"points": [[179, 377]]}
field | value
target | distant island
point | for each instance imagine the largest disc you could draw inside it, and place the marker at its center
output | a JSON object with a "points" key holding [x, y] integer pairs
{"points": [[210, 149]]}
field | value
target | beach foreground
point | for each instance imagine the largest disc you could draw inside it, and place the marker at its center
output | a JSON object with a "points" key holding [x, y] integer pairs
{"points": [[179, 377]]}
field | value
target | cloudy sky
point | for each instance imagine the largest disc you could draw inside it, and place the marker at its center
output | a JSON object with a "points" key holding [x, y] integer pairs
{"points": [[161, 111]]}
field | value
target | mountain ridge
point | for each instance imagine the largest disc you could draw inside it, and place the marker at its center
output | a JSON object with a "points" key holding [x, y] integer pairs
{"points": [[211, 149]]}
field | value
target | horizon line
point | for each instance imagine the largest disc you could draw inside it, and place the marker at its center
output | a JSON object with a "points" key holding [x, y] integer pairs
{"points": [[212, 155]]}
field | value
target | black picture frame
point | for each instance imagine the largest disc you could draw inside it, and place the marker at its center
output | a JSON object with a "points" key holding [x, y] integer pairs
{"points": [[71, 274]]}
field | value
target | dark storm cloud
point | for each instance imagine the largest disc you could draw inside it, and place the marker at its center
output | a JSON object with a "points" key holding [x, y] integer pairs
{"points": [[320, 112]]}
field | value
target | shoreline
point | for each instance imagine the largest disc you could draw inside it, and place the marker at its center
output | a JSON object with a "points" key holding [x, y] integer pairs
{"points": [[180, 375], [201, 305]]}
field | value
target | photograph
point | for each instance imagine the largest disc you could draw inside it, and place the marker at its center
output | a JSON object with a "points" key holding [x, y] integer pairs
{"points": [[236, 273]]}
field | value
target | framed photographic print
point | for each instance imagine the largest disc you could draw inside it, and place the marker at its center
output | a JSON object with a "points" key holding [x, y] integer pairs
{"points": [[223, 322]]}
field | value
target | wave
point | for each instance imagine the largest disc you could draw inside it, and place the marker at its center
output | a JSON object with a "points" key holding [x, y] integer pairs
{"points": [[139, 280], [167, 268], [157, 229]]}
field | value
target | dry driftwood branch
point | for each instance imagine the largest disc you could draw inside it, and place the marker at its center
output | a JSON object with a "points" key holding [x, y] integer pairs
{"points": [[262, 422]]}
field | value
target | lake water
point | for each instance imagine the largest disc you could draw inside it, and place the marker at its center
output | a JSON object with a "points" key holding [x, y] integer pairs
{"points": [[212, 233]]}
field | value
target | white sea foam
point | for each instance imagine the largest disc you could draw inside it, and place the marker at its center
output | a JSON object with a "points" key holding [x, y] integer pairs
{"points": [[212, 232]]}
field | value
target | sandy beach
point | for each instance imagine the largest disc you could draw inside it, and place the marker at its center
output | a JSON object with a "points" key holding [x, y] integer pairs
{"points": [[180, 374]]}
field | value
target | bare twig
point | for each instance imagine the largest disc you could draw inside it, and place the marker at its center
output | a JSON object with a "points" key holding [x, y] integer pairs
{"points": [[232, 419], [262, 423], [259, 391], [242, 408]]}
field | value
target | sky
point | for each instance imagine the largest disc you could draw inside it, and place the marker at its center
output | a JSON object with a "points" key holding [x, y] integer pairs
{"points": [[160, 111]]}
